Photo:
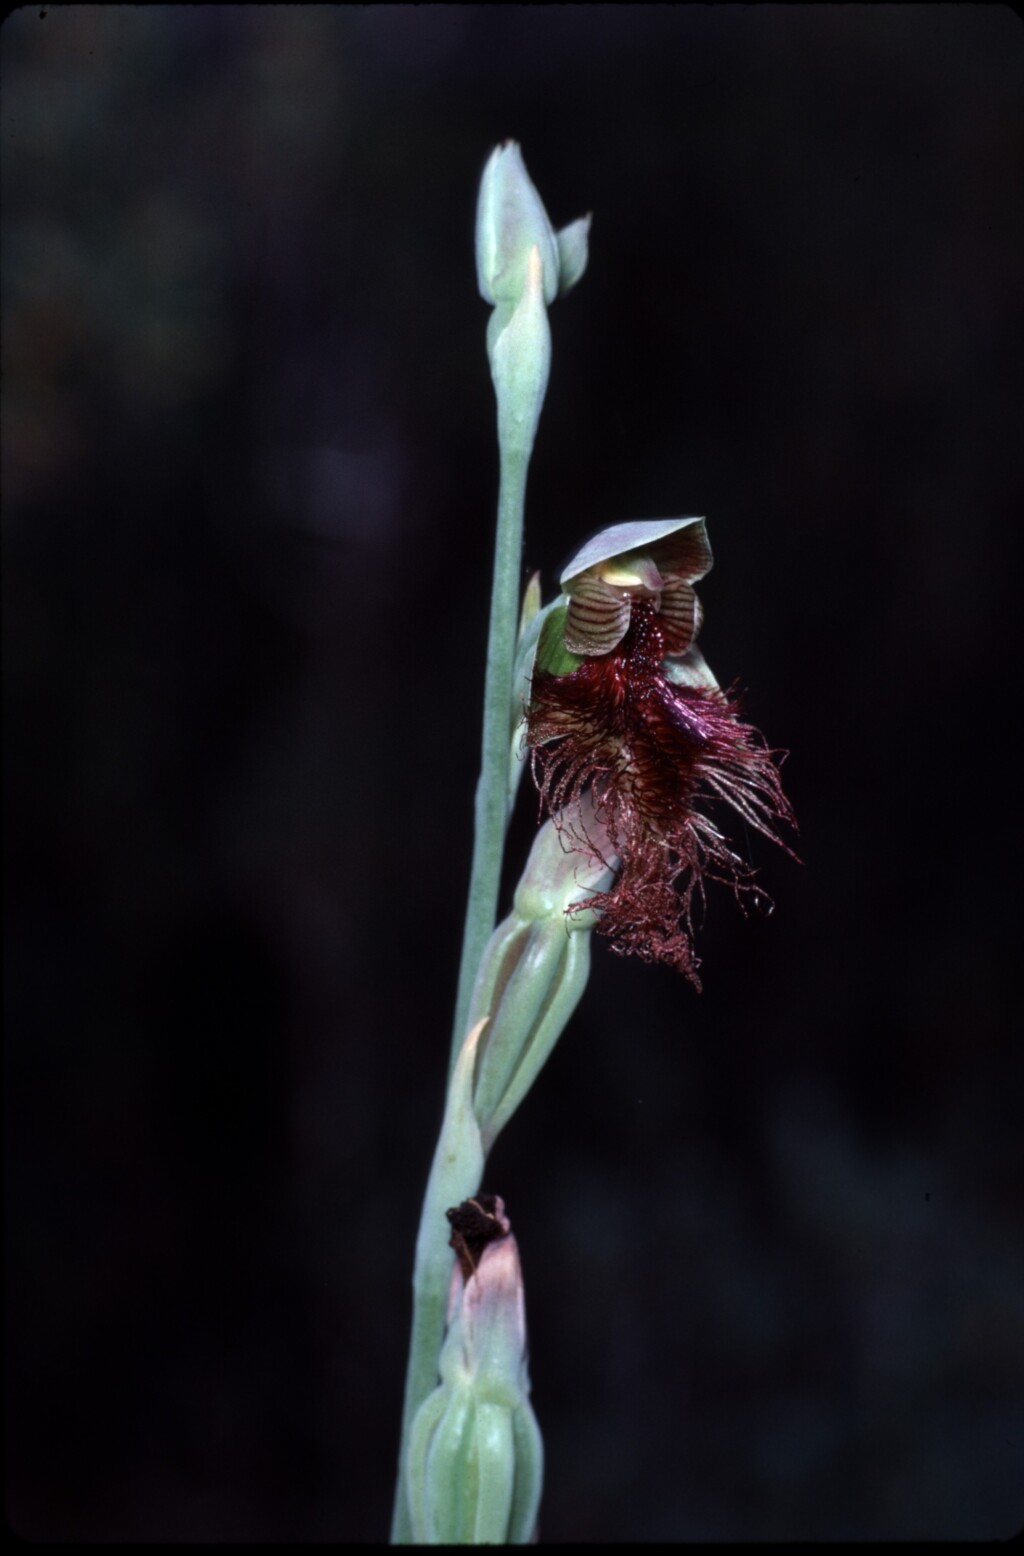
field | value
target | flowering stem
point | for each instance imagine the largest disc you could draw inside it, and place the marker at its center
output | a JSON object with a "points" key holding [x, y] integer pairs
{"points": [[521, 264], [433, 1256], [491, 813]]}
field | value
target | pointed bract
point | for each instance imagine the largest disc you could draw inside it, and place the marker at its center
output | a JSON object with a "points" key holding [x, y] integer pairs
{"points": [[573, 252], [519, 346]]}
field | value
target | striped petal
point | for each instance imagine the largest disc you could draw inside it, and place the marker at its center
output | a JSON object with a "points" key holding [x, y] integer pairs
{"points": [[680, 615], [686, 553], [597, 618]]}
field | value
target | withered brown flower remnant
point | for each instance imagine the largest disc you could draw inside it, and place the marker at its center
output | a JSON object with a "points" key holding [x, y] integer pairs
{"points": [[622, 704]]}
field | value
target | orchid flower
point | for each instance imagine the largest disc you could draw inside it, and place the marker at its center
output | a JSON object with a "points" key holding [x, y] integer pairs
{"points": [[624, 711]]}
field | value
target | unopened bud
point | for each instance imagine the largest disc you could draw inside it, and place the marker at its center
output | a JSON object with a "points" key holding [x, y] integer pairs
{"points": [[522, 265], [510, 221], [475, 1453]]}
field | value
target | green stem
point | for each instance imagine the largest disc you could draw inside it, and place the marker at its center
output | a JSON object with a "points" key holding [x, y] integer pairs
{"points": [[519, 349], [455, 1175], [492, 788], [433, 1262]]}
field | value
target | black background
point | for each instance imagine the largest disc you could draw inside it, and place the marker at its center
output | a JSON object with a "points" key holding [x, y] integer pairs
{"points": [[771, 1234]]}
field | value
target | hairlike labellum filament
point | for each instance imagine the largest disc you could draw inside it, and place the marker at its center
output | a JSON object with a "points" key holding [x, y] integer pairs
{"points": [[652, 753]]}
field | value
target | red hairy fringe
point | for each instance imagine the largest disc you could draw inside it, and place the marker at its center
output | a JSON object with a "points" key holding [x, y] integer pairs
{"points": [[653, 755]]}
